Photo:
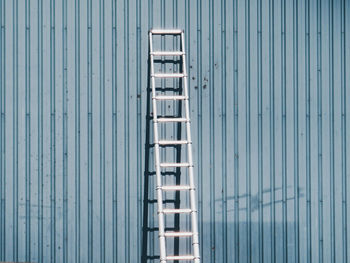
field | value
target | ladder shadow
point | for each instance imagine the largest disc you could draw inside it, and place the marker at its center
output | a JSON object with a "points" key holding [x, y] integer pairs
{"points": [[149, 172]]}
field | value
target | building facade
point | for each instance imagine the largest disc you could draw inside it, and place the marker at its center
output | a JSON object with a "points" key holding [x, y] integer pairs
{"points": [[270, 110]]}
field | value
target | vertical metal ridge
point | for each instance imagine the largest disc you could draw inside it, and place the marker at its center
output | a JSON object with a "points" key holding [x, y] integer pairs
{"points": [[343, 132], [331, 133], [150, 13], [307, 120], [102, 130], [2, 132], [260, 135], [319, 131], [90, 131], [52, 133], [27, 128], [272, 127], [77, 129], [65, 130], [126, 129], [161, 131], [223, 134], [40, 133], [2, 234], [151, 132], [200, 121], [212, 131], [176, 68], [296, 130], [235, 128], [114, 131], [175, 14], [188, 36], [15, 130], [187, 42], [139, 126], [284, 132], [248, 131]]}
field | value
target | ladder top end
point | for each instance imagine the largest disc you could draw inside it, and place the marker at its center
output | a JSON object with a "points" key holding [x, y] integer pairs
{"points": [[166, 31]]}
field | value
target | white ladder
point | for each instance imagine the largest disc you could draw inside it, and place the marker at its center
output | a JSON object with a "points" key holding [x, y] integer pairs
{"points": [[192, 211]]}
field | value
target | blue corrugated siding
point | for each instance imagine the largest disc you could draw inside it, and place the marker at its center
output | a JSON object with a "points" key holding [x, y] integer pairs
{"points": [[269, 95]]}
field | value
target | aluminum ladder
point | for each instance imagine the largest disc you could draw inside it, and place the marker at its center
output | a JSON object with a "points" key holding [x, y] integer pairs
{"points": [[162, 212]]}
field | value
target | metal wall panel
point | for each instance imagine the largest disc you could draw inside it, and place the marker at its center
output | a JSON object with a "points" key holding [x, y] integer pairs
{"points": [[269, 95]]}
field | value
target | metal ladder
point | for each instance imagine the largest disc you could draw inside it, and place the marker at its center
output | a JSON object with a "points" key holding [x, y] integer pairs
{"points": [[192, 211]]}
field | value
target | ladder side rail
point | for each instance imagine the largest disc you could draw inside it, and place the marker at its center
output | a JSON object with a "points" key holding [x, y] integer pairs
{"points": [[162, 247], [195, 240]]}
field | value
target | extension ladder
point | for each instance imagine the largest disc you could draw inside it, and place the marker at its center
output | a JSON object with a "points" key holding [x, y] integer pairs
{"points": [[162, 212]]}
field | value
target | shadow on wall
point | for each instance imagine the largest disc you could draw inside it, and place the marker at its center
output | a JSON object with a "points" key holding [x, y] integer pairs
{"points": [[148, 172], [266, 196]]}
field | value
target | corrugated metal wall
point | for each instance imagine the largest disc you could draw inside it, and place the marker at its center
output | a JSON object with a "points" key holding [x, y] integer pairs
{"points": [[269, 87]]}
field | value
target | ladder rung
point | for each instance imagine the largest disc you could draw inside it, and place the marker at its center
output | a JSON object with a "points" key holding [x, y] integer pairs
{"points": [[166, 31], [174, 165], [177, 211], [167, 53], [168, 75], [184, 257], [171, 119], [172, 142], [175, 187], [176, 97], [178, 234]]}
